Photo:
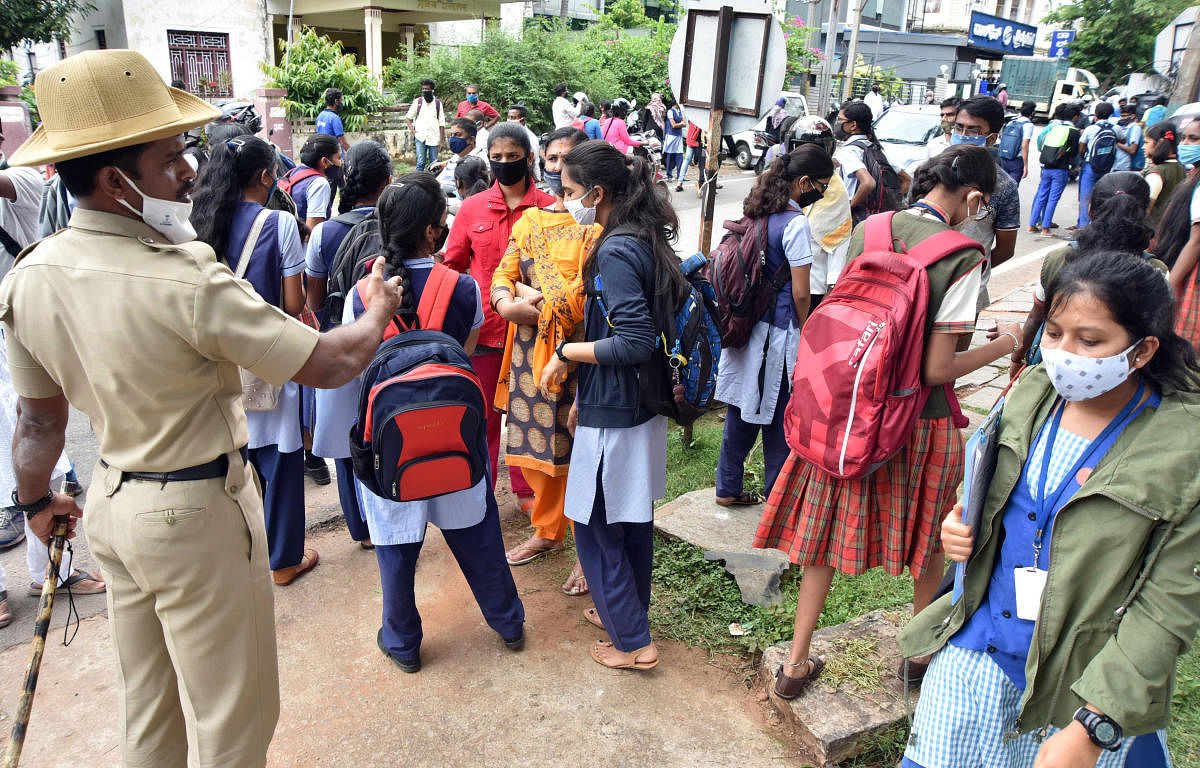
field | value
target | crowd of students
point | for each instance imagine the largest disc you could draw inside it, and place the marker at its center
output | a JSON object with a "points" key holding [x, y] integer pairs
{"points": [[553, 304]]}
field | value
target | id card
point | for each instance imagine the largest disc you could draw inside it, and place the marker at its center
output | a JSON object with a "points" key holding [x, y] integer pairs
{"points": [[1029, 584]]}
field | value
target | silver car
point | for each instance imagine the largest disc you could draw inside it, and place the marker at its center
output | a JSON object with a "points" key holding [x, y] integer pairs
{"points": [[905, 129]]}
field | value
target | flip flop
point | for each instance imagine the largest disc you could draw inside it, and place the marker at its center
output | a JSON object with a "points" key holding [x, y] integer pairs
{"points": [[745, 500], [6, 616], [593, 618], [74, 581], [537, 553], [627, 660], [577, 582]]}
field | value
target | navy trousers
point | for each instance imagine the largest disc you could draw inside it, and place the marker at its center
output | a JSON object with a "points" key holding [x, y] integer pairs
{"points": [[739, 439], [282, 477], [479, 551], [1014, 168], [617, 559], [348, 496]]}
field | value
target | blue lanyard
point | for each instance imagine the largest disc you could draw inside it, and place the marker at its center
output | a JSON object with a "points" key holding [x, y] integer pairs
{"points": [[931, 209], [1098, 446]]}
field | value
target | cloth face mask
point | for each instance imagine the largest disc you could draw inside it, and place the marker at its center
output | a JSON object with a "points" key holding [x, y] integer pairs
{"points": [[167, 217], [1076, 377], [580, 212]]}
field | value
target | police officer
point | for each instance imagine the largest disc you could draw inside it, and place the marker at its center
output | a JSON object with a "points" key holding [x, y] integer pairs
{"points": [[130, 320]]}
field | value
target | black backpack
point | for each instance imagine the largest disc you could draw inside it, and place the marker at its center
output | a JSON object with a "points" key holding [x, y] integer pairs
{"points": [[361, 244], [886, 196]]}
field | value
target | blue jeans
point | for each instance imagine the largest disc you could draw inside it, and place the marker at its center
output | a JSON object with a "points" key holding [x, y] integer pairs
{"points": [[696, 152], [1050, 189], [1087, 180], [427, 155]]}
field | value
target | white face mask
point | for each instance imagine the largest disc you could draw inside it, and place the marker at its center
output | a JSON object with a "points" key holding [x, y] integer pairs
{"points": [[1076, 377], [583, 215], [167, 217]]}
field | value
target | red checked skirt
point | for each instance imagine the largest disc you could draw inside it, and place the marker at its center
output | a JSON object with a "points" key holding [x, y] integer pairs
{"points": [[890, 518], [1187, 312]]}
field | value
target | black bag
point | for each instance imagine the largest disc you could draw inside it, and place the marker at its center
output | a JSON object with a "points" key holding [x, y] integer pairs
{"points": [[737, 270], [361, 244], [886, 196]]}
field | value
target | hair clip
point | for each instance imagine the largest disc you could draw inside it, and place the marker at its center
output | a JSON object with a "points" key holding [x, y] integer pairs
{"points": [[1119, 192], [1169, 135], [236, 143]]}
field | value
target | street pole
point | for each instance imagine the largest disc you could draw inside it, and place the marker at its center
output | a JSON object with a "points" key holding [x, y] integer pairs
{"points": [[852, 53], [813, 37], [826, 84], [716, 115]]}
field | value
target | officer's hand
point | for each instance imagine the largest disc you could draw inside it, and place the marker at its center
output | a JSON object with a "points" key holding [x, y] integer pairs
{"points": [[42, 524], [385, 293], [957, 538]]}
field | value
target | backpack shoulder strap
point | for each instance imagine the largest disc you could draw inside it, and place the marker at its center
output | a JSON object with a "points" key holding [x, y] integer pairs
{"points": [[9, 244], [933, 249], [878, 233], [251, 241], [436, 297]]}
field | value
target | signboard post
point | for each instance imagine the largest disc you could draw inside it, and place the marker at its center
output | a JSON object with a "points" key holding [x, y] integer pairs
{"points": [[995, 33], [1060, 43]]}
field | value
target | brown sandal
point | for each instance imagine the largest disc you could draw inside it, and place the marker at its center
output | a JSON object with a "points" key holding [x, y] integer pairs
{"points": [[744, 500], [788, 687], [623, 660], [593, 618]]}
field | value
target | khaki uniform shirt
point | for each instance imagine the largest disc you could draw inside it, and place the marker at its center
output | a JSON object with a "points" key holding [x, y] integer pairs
{"points": [[145, 338]]}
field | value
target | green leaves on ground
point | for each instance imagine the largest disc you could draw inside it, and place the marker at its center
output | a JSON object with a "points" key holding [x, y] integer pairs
{"points": [[314, 63]]}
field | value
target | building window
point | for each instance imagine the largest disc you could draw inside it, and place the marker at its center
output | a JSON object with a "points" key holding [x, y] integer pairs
{"points": [[201, 61], [101, 39]]}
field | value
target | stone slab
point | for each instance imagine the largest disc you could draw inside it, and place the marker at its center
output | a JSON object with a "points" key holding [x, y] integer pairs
{"points": [[984, 399], [832, 719], [978, 377], [726, 534]]}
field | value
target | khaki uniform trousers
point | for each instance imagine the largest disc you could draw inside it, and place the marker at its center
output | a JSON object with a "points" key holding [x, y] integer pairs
{"points": [[191, 615]]}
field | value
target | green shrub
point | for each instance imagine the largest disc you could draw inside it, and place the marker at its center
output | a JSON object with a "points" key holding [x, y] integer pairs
{"points": [[315, 63]]}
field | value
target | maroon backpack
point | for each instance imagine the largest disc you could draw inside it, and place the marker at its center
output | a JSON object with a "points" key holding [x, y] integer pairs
{"points": [[857, 390], [737, 270]]}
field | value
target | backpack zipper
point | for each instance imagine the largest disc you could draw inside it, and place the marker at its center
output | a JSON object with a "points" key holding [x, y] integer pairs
{"points": [[853, 405]]}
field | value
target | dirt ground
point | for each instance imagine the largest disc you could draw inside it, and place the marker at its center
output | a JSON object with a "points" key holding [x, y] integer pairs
{"points": [[473, 703]]}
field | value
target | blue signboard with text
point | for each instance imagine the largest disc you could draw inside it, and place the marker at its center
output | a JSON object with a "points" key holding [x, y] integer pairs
{"points": [[1060, 43], [997, 34]]}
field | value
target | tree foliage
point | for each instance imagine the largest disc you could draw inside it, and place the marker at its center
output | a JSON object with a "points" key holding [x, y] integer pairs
{"points": [[315, 63], [39, 21], [1117, 36]]}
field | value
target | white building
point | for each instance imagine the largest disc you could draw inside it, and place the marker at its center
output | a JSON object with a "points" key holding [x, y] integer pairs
{"points": [[954, 16]]}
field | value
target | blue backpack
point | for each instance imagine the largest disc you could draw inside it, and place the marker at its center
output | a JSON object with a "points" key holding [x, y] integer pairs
{"points": [[1011, 138], [679, 379], [1102, 149]]}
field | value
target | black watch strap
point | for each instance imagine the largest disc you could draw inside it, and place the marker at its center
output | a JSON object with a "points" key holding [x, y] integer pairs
{"points": [[559, 351], [29, 510], [1101, 729]]}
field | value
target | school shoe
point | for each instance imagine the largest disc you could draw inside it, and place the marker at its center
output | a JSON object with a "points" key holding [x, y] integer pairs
{"points": [[407, 666], [12, 533], [516, 643], [316, 468]]}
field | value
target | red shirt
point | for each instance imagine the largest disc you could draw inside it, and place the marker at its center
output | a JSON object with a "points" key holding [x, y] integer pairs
{"points": [[693, 135], [488, 110], [478, 241]]}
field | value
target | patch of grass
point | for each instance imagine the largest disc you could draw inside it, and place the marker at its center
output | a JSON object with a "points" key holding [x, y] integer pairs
{"points": [[1183, 737], [854, 660], [881, 749]]}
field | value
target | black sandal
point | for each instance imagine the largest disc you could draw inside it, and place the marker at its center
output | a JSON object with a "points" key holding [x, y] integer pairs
{"points": [[788, 687], [744, 500]]}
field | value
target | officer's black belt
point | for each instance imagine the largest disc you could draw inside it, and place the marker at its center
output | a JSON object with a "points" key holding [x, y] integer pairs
{"points": [[218, 467]]}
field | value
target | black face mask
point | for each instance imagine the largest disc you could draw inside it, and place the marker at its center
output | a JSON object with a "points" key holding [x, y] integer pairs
{"points": [[839, 132], [427, 95], [808, 198], [510, 173], [441, 241]]}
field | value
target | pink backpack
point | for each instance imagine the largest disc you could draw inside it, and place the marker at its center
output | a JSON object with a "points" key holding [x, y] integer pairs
{"points": [[857, 388]]}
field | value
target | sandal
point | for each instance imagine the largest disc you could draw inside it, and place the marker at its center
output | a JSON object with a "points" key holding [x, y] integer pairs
{"points": [[576, 584], [911, 672], [603, 652], [6, 616], [285, 576], [80, 582], [744, 500], [593, 618], [528, 552], [788, 687]]}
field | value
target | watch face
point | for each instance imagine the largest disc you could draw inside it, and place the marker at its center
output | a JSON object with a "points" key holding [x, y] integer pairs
{"points": [[1104, 731]]}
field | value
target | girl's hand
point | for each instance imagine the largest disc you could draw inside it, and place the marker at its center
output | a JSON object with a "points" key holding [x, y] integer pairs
{"points": [[1069, 748], [1010, 332], [520, 311], [957, 538], [553, 374]]}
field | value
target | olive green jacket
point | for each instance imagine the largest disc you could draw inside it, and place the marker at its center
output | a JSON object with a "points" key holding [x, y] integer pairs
{"points": [[1122, 598]]}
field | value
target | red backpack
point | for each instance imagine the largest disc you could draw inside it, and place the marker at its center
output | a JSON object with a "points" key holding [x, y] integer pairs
{"points": [[737, 270], [857, 389], [295, 176]]}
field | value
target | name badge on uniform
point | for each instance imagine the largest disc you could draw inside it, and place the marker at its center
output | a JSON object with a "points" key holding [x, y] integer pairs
{"points": [[1029, 584]]}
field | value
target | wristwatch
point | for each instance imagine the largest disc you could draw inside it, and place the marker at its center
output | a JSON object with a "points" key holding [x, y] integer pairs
{"points": [[29, 510], [559, 351], [1101, 729]]}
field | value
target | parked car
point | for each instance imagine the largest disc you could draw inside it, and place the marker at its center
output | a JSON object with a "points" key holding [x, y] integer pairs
{"points": [[748, 147], [904, 130]]}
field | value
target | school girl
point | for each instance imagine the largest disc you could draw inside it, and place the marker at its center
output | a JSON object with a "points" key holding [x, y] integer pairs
{"points": [[755, 380], [1079, 593], [368, 170], [619, 458], [230, 210], [412, 227], [889, 517]]}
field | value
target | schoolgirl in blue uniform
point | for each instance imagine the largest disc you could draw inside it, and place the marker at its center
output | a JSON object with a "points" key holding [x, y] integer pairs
{"points": [[619, 457], [232, 192], [412, 221], [368, 171], [312, 192]]}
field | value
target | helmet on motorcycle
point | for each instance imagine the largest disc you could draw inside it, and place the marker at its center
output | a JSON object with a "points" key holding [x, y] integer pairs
{"points": [[241, 112], [811, 130]]}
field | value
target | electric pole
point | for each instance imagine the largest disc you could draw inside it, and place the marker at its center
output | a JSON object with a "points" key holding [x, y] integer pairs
{"points": [[852, 52]]}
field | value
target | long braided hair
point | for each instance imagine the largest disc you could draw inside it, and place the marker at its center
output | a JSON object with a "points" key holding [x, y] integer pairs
{"points": [[406, 207]]}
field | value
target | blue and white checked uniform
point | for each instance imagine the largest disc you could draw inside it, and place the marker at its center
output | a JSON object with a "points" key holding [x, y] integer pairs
{"points": [[1068, 447]]}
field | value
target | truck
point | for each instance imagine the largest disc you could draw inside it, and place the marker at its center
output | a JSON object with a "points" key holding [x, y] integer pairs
{"points": [[1046, 82]]}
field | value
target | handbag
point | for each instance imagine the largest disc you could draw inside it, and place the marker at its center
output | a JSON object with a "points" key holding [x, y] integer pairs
{"points": [[257, 394]]}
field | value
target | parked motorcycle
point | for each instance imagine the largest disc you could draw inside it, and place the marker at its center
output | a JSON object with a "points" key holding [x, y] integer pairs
{"points": [[651, 151]]}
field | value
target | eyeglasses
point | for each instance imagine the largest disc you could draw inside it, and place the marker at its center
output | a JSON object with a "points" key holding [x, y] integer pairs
{"points": [[816, 184], [970, 130]]}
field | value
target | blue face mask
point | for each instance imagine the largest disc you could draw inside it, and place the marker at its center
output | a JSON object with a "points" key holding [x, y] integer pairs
{"points": [[554, 181], [473, 97], [457, 144], [957, 138], [1188, 154]]}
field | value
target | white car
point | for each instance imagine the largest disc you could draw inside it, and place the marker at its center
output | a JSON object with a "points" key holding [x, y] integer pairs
{"points": [[905, 129], [747, 147]]}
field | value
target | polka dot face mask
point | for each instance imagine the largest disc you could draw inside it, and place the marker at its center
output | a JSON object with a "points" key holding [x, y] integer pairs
{"points": [[1076, 377]]}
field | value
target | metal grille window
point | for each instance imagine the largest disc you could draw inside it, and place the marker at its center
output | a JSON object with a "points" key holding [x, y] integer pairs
{"points": [[201, 61]]}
